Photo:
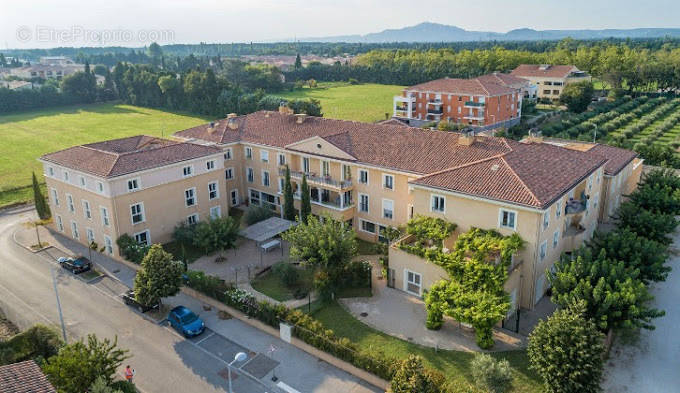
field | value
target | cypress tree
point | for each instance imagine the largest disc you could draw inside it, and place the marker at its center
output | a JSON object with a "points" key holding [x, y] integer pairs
{"points": [[41, 205], [298, 62], [288, 206], [305, 203]]}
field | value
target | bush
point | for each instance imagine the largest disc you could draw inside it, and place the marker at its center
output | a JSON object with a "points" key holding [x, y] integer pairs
{"points": [[130, 249], [212, 286], [38, 343], [490, 374], [286, 273], [124, 386], [357, 274], [256, 214], [412, 377]]}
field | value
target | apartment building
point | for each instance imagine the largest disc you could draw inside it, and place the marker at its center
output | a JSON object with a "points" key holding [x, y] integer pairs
{"points": [[486, 102], [141, 186], [45, 71], [550, 79], [374, 176]]}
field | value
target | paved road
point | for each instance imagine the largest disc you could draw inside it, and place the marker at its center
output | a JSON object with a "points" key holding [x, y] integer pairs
{"points": [[164, 361], [652, 364]]}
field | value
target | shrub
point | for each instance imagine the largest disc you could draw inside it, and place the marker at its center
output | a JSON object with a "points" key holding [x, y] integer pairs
{"points": [[38, 343], [357, 274], [490, 374], [412, 377], [184, 233], [256, 214], [130, 249], [212, 286], [286, 273]]}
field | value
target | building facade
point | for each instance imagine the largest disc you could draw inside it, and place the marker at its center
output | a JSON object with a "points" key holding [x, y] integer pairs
{"points": [[550, 79]]}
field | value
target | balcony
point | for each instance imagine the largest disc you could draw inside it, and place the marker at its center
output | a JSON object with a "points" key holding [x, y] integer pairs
{"points": [[574, 206], [313, 179], [404, 99], [479, 117], [472, 104], [435, 103], [404, 108], [330, 200], [431, 111]]}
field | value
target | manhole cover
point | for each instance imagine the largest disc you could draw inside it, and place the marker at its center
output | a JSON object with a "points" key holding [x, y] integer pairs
{"points": [[364, 314]]}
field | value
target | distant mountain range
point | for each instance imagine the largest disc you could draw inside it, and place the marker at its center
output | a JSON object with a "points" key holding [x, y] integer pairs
{"points": [[435, 32]]}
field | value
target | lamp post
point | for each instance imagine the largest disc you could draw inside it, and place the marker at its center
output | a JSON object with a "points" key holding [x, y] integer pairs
{"points": [[595, 134], [239, 357]]}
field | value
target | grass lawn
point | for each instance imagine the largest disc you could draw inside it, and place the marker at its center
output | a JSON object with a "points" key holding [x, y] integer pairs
{"points": [[454, 365], [366, 102], [89, 275], [270, 285], [192, 253], [26, 136]]}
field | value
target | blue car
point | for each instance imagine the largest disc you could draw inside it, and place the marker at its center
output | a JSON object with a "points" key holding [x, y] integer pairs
{"points": [[185, 321]]}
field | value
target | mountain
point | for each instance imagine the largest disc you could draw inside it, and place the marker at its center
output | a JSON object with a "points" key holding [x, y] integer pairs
{"points": [[435, 32]]}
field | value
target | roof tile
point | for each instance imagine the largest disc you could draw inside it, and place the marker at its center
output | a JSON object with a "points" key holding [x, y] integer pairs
{"points": [[24, 377]]}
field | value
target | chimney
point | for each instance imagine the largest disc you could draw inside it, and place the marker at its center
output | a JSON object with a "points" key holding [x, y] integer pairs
{"points": [[212, 127], [300, 118], [466, 138], [231, 115]]}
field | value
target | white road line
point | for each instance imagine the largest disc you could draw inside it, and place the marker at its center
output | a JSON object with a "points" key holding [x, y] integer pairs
{"points": [[286, 387], [204, 338], [28, 306]]}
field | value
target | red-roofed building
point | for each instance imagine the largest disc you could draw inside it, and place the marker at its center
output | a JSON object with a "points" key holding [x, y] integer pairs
{"points": [[550, 79], [24, 377]]}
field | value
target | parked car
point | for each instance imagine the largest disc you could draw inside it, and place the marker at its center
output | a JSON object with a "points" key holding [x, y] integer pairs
{"points": [[75, 265], [185, 321], [129, 299]]}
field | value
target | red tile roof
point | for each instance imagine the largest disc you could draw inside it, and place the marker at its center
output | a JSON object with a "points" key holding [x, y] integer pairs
{"points": [[553, 71], [24, 377], [127, 155], [463, 86], [617, 158], [504, 79]]}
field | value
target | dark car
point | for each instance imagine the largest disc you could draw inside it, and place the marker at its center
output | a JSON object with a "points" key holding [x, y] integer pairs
{"points": [[129, 299], [185, 321], [75, 266]]}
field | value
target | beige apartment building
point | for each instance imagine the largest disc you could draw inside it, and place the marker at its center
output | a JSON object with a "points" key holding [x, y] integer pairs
{"points": [[371, 176], [549, 79], [141, 186]]}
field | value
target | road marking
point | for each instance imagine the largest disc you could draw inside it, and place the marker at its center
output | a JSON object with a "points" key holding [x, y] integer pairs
{"points": [[205, 338], [286, 387], [28, 306]]}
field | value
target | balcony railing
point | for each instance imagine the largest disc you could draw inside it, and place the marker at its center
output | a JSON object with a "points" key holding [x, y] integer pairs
{"points": [[313, 178], [474, 117], [405, 99], [575, 206], [435, 103], [435, 111], [474, 104], [404, 108]]}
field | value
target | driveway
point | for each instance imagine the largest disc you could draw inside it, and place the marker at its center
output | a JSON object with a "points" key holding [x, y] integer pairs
{"points": [[164, 361], [652, 364]]}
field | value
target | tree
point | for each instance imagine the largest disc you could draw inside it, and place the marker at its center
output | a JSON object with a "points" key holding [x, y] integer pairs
{"points": [[159, 277], [654, 226], [326, 245], [298, 62], [566, 351], [82, 86], [305, 202], [492, 375], [257, 213], [41, 205], [155, 53], [77, 366], [577, 96], [613, 295], [101, 386], [412, 377], [288, 203]]}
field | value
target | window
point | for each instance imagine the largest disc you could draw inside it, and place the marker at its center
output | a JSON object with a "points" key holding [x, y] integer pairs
{"points": [[108, 245], [363, 203], [86, 210], [363, 176], [367, 226], [50, 171], [187, 170], [55, 197], [133, 184], [556, 238], [388, 208], [388, 181], [346, 172], [90, 235], [81, 180], [234, 198], [250, 175], [255, 197], [100, 187], [137, 213], [264, 155], [265, 178], [105, 216], [228, 154], [66, 176], [215, 212], [210, 165], [281, 158], [543, 250], [60, 224], [74, 230], [282, 184], [546, 220], [143, 238], [508, 219], [190, 196], [413, 282], [558, 209], [249, 152], [438, 203], [325, 168], [305, 164], [213, 191], [229, 173], [69, 201], [192, 219]]}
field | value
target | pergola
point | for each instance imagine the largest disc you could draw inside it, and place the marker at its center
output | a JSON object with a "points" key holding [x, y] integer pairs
{"points": [[263, 233]]}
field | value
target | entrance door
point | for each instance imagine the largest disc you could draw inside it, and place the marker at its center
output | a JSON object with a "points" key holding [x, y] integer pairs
{"points": [[413, 281], [234, 198], [540, 288]]}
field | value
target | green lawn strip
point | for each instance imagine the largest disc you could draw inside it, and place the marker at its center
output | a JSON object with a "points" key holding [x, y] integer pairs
{"points": [[26, 136], [17, 195], [365, 102], [455, 365], [192, 253], [270, 285], [89, 275]]}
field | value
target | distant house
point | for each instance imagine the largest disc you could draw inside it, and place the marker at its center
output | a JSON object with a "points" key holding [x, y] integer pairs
{"points": [[56, 60], [16, 85], [24, 377], [550, 79], [46, 71]]}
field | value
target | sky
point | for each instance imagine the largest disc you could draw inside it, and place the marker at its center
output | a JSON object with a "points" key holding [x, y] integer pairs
{"points": [[50, 23]]}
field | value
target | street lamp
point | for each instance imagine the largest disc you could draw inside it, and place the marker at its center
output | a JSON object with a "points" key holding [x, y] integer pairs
{"points": [[239, 357]]}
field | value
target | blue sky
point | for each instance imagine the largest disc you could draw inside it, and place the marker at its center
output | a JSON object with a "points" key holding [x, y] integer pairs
{"points": [[49, 23]]}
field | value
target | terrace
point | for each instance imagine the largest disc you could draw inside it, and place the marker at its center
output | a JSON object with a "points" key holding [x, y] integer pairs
{"points": [[313, 178]]}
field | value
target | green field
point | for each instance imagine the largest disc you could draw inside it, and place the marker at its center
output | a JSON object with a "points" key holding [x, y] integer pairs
{"points": [[26, 136], [367, 102]]}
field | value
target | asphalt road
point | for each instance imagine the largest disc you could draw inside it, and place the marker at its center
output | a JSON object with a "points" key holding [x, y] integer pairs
{"points": [[163, 360]]}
